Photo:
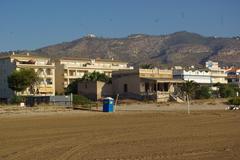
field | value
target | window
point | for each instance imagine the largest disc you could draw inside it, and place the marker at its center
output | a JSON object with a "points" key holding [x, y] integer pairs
{"points": [[125, 88], [49, 71], [49, 81]]}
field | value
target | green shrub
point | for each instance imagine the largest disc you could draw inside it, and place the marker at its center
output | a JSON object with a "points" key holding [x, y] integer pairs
{"points": [[226, 91], [234, 101], [81, 100], [203, 93], [17, 99]]}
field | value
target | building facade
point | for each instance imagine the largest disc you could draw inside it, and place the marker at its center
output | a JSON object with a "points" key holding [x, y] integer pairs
{"points": [[212, 74], [198, 76], [95, 90], [218, 74], [233, 75], [70, 69], [154, 84], [43, 66]]}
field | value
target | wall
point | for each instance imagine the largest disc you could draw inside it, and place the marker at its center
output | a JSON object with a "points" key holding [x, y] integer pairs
{"points": [[59, 78], [156, 73], [6, 68], [130, 78], [104, 90], [88, 89], [94, 90]]}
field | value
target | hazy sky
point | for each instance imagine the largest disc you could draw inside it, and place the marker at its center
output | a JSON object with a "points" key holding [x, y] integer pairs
{"points": [[31, 24]]}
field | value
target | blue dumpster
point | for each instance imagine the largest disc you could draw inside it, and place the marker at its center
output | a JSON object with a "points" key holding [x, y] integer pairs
{"points": [[108, 104]]}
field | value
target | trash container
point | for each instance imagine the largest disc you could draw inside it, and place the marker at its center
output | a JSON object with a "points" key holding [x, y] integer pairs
{"points": [[108, 104]]}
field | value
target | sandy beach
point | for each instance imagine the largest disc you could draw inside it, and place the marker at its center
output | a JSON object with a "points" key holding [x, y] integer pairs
{"points": [[138, 134]]}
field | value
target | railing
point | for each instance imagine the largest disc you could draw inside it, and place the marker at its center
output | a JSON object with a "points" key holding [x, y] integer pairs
{"points": [[161, 94], [97, 67], [35, 64]]}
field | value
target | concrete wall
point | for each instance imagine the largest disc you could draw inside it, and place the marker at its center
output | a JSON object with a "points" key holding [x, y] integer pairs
{"points": [[94, 90], [156, 73], [88, 89], [59, 78], [104, 90], [131, 79]]}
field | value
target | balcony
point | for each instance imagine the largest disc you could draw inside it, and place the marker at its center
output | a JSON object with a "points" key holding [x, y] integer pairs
{"points": [[46, 90], [102, 67], [34, 64]]}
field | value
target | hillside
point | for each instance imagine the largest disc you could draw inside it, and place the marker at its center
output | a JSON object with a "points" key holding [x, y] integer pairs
{"points": [[180, 48]]}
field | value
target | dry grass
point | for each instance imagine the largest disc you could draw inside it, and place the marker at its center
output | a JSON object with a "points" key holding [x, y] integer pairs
{"points": [[16, 109]]}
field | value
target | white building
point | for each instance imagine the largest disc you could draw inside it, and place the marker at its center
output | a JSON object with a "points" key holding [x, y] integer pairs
{"points": [[218, 74], [212, 74], [198, 76]]}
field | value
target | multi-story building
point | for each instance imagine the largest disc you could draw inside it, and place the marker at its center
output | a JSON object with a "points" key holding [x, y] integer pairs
{"points": [[233, 75], [196, 75], [212, 74], [43, 66], [70, 69], [218, 74]]}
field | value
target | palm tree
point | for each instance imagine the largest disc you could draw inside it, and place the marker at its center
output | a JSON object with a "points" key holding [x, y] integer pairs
{"points": [[188, 89]]}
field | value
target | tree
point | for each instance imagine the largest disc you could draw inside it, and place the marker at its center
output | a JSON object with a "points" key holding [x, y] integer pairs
{"points": [[203, 92], [189, 89], [20, 80], [146, 66], [228, 90], [96, 76], [73, 87]]}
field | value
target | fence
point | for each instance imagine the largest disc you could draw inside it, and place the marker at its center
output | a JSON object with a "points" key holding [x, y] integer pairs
{"points": [[62, 100]]}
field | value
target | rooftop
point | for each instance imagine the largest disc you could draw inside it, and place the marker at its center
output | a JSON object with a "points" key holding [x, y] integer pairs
{"points": [[89, 59], [23, 56]]}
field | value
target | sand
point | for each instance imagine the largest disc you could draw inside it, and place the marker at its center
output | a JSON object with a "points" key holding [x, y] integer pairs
{"points": [[78, 135]]}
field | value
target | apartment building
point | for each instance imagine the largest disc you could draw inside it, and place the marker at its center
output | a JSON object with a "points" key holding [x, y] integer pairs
{"points": [[70, 69], [196, 75], [233, 75], [218, 74], [43, 66], [211, 74]]}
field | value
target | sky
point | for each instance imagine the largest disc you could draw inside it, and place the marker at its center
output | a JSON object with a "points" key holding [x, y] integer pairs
{"points": [[32, 24]]}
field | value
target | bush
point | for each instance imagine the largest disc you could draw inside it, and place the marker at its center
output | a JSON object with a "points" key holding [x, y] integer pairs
{"points": [[226, 91], [72, 87], [203, 93], [81, 100], [17, 99], [234, 101]]}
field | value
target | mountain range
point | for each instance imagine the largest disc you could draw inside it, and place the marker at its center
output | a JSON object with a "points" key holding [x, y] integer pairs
{"points": [[180, 48]]}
